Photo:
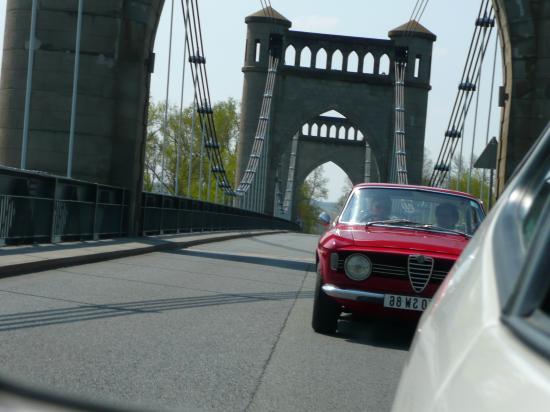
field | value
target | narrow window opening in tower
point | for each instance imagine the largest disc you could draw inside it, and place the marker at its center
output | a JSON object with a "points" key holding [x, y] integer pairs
{"points": [[342, 133], [258, 50], [368, 64], [290, 56], [321, 59], [353, 62], [305, 57], [351, 133], [314, 130], [384, 68], [337, 60], [417, 67]]}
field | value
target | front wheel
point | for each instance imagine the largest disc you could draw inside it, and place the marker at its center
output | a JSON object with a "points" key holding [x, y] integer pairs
{"points": [[325, 311]]}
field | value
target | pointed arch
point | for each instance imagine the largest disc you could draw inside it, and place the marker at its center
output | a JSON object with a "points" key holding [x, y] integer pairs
{"points": [[305, 57], [368, 64], [332, 132], [384, 65], [314, 130], [305, 129], [337, 60], [353, 62], [351, 133], [324, 131], [290, 56], [321, 59], [342, 133]]}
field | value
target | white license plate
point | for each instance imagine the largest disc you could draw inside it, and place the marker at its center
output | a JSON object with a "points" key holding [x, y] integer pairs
{"points": [[406, 302]]}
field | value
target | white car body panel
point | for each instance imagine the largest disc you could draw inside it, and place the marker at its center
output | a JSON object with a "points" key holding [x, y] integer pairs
{"points": [[463, 358]]}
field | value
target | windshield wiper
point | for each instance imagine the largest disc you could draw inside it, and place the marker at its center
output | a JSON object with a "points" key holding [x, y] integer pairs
{"points": [[416, 225], [443, 229], [391, 222]]}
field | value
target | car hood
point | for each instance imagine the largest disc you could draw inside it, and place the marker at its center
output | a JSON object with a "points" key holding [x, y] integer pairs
{"points": [[408, 239]]}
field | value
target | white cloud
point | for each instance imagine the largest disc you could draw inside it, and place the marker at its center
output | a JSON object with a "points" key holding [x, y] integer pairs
{"points": [[316, 23]]}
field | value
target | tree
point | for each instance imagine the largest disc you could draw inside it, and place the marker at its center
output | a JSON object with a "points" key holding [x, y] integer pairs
{"points": [[313, 189], [179, 136], [427, 167], [346, 189]]}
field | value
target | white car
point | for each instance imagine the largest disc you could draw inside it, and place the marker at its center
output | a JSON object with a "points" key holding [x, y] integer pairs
{"points": [[484, 342]]}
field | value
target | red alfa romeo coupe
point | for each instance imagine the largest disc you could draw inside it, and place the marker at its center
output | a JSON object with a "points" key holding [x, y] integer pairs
{"points": [[389, 250]]}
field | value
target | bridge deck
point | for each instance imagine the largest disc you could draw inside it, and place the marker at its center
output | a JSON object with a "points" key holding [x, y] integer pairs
{"points": [[223, 326]]}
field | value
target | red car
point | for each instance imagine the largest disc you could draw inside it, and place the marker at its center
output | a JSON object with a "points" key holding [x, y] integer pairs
{"points": [[389, 250]]}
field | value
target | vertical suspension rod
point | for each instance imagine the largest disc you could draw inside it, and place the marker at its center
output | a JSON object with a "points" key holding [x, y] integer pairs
{"points": [[165, 123], [75, 88], [28, 91]]}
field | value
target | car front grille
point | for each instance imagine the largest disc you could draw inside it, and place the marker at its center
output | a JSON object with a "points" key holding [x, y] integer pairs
{"points": [[395, 266]]}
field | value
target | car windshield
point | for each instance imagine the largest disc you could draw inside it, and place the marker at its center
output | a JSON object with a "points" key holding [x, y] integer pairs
{"points": [[417, 208]]}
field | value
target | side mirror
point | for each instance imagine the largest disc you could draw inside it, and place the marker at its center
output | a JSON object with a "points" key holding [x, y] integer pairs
{"points": [[324, 219]]}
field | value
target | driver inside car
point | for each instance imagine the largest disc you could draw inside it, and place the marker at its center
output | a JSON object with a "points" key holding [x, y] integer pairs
{"points": [[380, 208], [446, 215]]}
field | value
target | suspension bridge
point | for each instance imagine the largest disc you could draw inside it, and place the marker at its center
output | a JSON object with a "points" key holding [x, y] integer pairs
{"points": [[74, 98]]}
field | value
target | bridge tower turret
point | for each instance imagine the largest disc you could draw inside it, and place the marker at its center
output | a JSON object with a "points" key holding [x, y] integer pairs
{"points": [[266, 31], [414, 43]]}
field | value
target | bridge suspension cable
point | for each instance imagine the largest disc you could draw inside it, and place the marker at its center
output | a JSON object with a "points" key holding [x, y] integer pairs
{"points": [[261, 131], [470, 76], [195, 45], [165, 121], [398, 172], [489, 118], [180, 122], [289, 188]]}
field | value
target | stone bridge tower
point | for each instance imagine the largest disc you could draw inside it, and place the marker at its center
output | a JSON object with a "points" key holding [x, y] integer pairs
{"points": [[320, 73]]}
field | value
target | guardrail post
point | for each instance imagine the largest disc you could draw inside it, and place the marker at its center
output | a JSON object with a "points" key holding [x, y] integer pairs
{"points": [[95, 235], [178, 215], [53, 237], [122, 213], [161, 232]]}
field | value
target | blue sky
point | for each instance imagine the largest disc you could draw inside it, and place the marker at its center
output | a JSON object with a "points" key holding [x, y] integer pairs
{"points": [[224, 33]]}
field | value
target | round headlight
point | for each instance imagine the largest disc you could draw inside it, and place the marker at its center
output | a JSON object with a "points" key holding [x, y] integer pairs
{"points": [[358, 267]]}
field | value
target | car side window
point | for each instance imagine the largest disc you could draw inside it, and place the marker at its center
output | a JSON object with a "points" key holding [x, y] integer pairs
{"points": [[350, 208], [533, 216], [528, 311]]}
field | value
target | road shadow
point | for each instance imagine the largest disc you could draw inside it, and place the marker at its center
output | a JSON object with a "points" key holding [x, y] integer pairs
{"points": [[258, 260], [378, 332], [280, 246], [85, 312]]}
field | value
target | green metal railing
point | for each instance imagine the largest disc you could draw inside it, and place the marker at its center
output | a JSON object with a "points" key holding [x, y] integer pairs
{"points": [[170, 214], [36, 207], [40, 208]]}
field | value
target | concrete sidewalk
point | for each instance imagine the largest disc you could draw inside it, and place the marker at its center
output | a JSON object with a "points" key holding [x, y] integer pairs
{"points": [[18, 260]]}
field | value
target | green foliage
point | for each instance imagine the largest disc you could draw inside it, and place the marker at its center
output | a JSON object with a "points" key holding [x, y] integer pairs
{"points": [[346, 189], [478, 185], [179, 135], [314, 188]]}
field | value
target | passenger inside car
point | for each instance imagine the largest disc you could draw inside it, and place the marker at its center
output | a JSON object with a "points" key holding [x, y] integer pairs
{"points": [[446, 215]]}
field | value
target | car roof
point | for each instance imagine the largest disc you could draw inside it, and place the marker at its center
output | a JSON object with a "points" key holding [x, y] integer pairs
{"points": [[415, 187]]}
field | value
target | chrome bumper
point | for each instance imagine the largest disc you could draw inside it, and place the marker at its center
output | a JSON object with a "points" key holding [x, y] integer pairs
{"points": [[350, 294]]}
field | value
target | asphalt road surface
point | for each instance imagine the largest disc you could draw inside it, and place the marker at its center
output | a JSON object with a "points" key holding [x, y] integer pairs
{"points": [[223, 327]]}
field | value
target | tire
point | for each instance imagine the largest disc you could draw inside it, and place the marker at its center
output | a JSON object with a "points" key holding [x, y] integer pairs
{"points": [[325, 310]]}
